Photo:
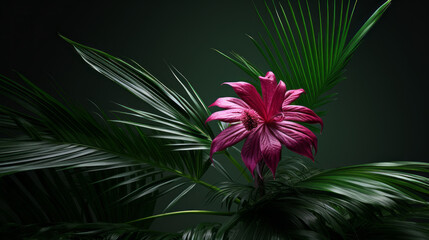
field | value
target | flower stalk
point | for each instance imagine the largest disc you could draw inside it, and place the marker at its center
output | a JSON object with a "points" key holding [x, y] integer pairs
{"points": [[259, 180]]}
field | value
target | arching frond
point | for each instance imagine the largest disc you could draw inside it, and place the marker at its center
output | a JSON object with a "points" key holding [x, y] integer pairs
{"points": [[306, 49]]}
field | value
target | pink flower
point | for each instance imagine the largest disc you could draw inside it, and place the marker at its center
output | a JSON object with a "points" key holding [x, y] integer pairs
{"points": [[267, 123]]}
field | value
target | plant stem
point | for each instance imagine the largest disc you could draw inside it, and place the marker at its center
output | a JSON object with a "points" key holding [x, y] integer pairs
{"points": [[184, 212], [238, 166], [260, 186], [259, 179], [205, 184]]}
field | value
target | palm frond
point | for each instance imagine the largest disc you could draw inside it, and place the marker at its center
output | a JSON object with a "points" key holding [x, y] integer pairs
{"points": [[305, 50], [376, 183], [180, 127], [51, 196], [92, 185], [203, 231], [232, 192], [63, 136], [68, 204], [42, 117], [182, 120], [19, 156], [412, 224], [308, 203]]}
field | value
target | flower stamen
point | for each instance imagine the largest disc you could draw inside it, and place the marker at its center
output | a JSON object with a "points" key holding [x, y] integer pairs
{"points": [[249, 120]]}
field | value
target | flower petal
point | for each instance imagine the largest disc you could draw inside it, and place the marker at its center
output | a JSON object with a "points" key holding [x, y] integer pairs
{"points": [[268, 85], [301, 114], [271, 148], [277, 99], [229, 103], [248, 93], [228, 137], [292, 95], [296, 137], [230, 115], [251, 152]]}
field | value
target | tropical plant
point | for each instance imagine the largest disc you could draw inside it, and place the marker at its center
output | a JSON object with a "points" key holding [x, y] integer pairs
{"points": [[68, 173]]}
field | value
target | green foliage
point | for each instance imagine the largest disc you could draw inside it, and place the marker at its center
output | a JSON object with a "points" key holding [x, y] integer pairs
{"points": [[68, 173], [183, 121], [203, 231], [43, 118], [306, 51], [50, 196], [121, 162], [357, 202]]}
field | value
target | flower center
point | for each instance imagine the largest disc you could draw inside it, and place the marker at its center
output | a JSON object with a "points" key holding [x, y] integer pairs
{"points": [[249, 120]]}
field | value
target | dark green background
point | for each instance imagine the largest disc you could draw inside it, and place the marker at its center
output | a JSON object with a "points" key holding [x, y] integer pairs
{"points": [[380, 114]]}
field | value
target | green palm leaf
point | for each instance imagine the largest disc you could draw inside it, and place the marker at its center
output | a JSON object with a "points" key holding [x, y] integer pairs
{"points": [[409, 225], [344, 203], [376, 183], [307, 51], [20, 156], [181, 124], [50, 196], [45, 118], [203, 231], [182, 120], [61, 136]]}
